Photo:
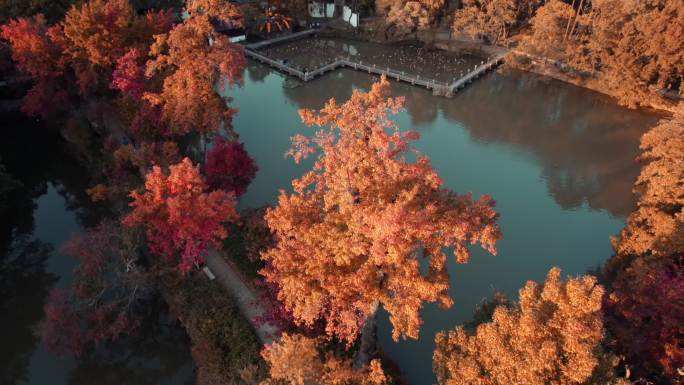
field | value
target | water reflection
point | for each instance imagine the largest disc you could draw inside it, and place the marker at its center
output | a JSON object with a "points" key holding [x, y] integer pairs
{"points": [[586, 146], [158, 356], [257, 72], [23, 281], [43, 200]]}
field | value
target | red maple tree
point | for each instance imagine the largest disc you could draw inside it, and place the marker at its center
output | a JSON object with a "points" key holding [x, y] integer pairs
{"points": [[181, 216], [229, 166]]}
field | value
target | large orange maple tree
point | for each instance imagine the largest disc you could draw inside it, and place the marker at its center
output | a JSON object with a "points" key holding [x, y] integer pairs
{"points": [[351, 235]]}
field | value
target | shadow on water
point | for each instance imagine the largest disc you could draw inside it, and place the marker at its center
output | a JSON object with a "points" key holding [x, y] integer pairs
{"points": [[43, 201]]}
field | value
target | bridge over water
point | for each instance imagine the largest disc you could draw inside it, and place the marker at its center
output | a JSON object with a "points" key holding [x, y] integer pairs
{"points": [[438, 87]]}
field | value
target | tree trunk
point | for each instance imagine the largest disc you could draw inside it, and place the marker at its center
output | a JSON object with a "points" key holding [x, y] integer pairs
{"points": [[368, 348], [574, 23], [567, 26]]}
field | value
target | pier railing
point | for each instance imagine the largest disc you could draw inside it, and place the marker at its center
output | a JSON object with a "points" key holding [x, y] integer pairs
{"points": [[438, 87], [281, 39]]}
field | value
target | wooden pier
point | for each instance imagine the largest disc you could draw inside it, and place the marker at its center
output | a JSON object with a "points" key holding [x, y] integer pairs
{"points": [[478, 71], [280, 39], [438, 87]]}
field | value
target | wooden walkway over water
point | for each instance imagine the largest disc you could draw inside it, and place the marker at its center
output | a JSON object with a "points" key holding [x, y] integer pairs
{"points": [[438, 87], [281, 39]]}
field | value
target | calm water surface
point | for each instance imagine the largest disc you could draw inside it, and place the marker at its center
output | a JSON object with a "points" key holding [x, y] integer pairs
{"points": [[42, 202], [559, 161]]}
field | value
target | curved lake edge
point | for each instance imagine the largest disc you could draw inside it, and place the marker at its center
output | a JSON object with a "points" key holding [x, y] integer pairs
{"points": [[539, 65]]}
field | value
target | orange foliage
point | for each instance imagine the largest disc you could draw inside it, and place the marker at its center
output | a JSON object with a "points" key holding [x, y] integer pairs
{"points": [[194, 59], [351, 235], [552, 337], [411, 16], [657, 226], [632, 47], [491, 19], [298, 360], [82, 48], [646, 306], [97, 31], [98, 192], [147, 154]]}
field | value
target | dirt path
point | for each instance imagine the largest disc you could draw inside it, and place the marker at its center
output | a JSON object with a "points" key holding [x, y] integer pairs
{"points": [[246, 299]]}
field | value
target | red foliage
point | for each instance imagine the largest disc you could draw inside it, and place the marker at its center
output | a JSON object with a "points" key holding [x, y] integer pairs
{"points": [[98, 306], [229, 167], [43, 98], [181, 217], [276, 313], [155, 23], [36, 53], [646, 314], [33, 51], [129, 75], [68, 330], [148, 121]]}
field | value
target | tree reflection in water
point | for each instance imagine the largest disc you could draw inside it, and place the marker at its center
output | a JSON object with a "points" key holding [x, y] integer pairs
{"points": [[586, 146], [23, 281], [157, 355], [160, 354]]}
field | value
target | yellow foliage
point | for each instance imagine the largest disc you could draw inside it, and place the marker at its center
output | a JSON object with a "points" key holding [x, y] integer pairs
{"points": [[552, 337], [298, 360]]}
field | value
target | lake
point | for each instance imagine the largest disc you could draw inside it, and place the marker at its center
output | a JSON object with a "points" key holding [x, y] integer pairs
{"points": [[559, 161], [42, 202]]}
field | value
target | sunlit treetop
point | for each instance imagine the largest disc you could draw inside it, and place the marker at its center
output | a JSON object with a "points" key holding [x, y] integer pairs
{"points": [[353, 231], [552, 337], [299, 360], [197, 64]]}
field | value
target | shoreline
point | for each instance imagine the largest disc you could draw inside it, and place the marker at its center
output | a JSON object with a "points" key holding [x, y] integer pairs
{"points": [[441, 41]]}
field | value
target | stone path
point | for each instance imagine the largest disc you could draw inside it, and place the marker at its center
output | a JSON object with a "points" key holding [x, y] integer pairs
{"points": [[244, 296]]}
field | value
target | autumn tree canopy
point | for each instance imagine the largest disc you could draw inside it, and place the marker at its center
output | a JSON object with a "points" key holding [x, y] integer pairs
{"points": [[644, 310], [352, 233], [81, 49], [491, 19], [299, 360], [229, 166], [181, 217], [551, 337], [633, 47], [657, 226], [197, 64], [405, 17], [645, 314]]}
